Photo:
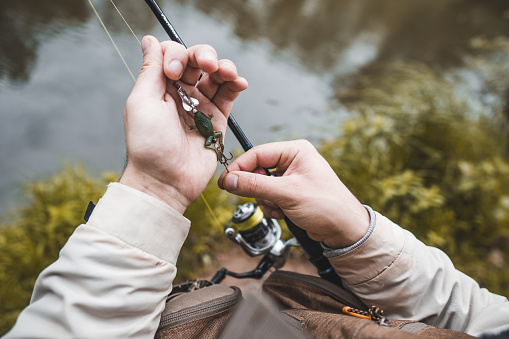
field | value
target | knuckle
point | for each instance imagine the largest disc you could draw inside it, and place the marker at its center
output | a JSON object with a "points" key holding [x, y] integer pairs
{"points": [[144, 66], [173, 45], [174, 50], [203, 49], [131, 101], [228, 64], [207, 47], [305, 143]]}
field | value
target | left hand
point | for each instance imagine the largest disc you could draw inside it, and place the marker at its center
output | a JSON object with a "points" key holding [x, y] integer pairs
{"points": [[165, 158]]}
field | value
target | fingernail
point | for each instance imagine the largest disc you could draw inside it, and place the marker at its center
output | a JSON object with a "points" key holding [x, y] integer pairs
{"points": [[230, 182], [145, 45], [175, 67]]}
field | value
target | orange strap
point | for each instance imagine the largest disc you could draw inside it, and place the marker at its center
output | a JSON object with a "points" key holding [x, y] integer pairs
{"points": [[374, 313]]}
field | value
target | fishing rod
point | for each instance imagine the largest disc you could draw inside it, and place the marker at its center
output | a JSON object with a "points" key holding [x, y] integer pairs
{"points": [[313, 248]]}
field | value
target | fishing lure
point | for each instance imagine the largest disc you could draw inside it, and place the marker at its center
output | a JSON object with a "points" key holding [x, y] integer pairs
{"points": [[213, 139]]}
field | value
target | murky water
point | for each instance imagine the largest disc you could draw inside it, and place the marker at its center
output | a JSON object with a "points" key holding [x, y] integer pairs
{"points": [[63, 86]]}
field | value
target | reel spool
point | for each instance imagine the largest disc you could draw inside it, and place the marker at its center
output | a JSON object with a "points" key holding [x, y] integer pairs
{"points": [[252, 231]]}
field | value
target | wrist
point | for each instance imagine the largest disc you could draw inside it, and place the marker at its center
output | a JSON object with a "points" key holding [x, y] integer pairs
{"points": [[334, 252], [155, 188], [353, 230]]}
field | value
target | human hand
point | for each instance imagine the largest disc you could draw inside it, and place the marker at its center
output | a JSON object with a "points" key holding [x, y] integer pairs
{"points": [[165, 158], [305, 189]]}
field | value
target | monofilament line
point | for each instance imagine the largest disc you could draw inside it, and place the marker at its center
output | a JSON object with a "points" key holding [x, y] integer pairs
{"points": [[111, 39], [118, 11]]}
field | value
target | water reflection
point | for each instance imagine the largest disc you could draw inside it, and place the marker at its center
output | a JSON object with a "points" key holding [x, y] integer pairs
{"points": [[70, 106], [318, 31], [23, 25], [63, 87]]}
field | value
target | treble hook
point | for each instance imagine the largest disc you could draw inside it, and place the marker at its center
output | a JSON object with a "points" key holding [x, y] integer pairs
{"points": [[223, 160]]}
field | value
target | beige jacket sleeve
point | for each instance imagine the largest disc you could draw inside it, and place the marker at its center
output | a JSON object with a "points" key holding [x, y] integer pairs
{"points": [[409, 280], [112, 277]]}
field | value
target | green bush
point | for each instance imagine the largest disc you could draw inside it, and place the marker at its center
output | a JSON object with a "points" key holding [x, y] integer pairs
{"points": [[32, 240], [206, 238], [56, 206], [419, 155]]}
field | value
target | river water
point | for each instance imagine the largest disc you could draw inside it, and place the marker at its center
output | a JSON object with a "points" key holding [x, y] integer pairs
{"points": [[63, 86]]}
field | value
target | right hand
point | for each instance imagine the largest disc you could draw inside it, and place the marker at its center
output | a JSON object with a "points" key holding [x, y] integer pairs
{"points": [[306, 190]]}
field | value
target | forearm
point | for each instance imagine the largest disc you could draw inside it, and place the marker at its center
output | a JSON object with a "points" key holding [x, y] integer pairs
{"points": [[409, 280], [112, 276]]}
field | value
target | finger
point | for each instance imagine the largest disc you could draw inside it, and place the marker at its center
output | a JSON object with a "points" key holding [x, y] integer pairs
{"points": [[270, 209], [175, 59], [227, 71], [273, 213], [201, 58], [228, 92], [191, 75], [210, 83], [151, 81], [253, 185], [245, 162], [265, 202], [272, 155]]}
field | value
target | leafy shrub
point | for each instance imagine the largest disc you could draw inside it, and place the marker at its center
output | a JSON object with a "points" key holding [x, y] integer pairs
{"points": [[38, 231], [56, 205], [419, 155], [206, 237]]}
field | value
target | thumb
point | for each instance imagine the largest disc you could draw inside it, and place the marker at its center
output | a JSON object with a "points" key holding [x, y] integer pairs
{"points": [[252, 185], [151, 80]]}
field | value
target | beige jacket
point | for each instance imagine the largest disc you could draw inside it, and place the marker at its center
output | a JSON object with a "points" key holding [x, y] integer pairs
{"points": [[409, 280], [113, 275]]}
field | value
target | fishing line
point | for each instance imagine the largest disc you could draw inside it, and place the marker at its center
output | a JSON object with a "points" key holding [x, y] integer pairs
{"points": [[111, 39], [134, 79], [118, 11], [211, 211]]}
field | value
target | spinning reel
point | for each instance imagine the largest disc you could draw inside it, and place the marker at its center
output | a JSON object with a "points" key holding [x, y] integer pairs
{"points": [[257, 236]]}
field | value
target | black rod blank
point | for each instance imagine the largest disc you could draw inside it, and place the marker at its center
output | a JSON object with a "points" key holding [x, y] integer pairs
{"points": [[163, 20]]}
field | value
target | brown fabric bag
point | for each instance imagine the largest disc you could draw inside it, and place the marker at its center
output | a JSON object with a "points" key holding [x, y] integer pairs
{"points": [[317, 304], [197, 309], [309, 306]]}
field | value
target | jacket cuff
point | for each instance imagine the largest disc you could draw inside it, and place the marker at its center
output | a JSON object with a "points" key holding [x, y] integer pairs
{"points": [[141, 221], [372, 257]]}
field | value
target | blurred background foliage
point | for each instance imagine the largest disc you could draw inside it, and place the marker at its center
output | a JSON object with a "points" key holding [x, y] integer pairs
{"points": [[32, 236], [421, 146], [206, 238], [433, 156]]}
